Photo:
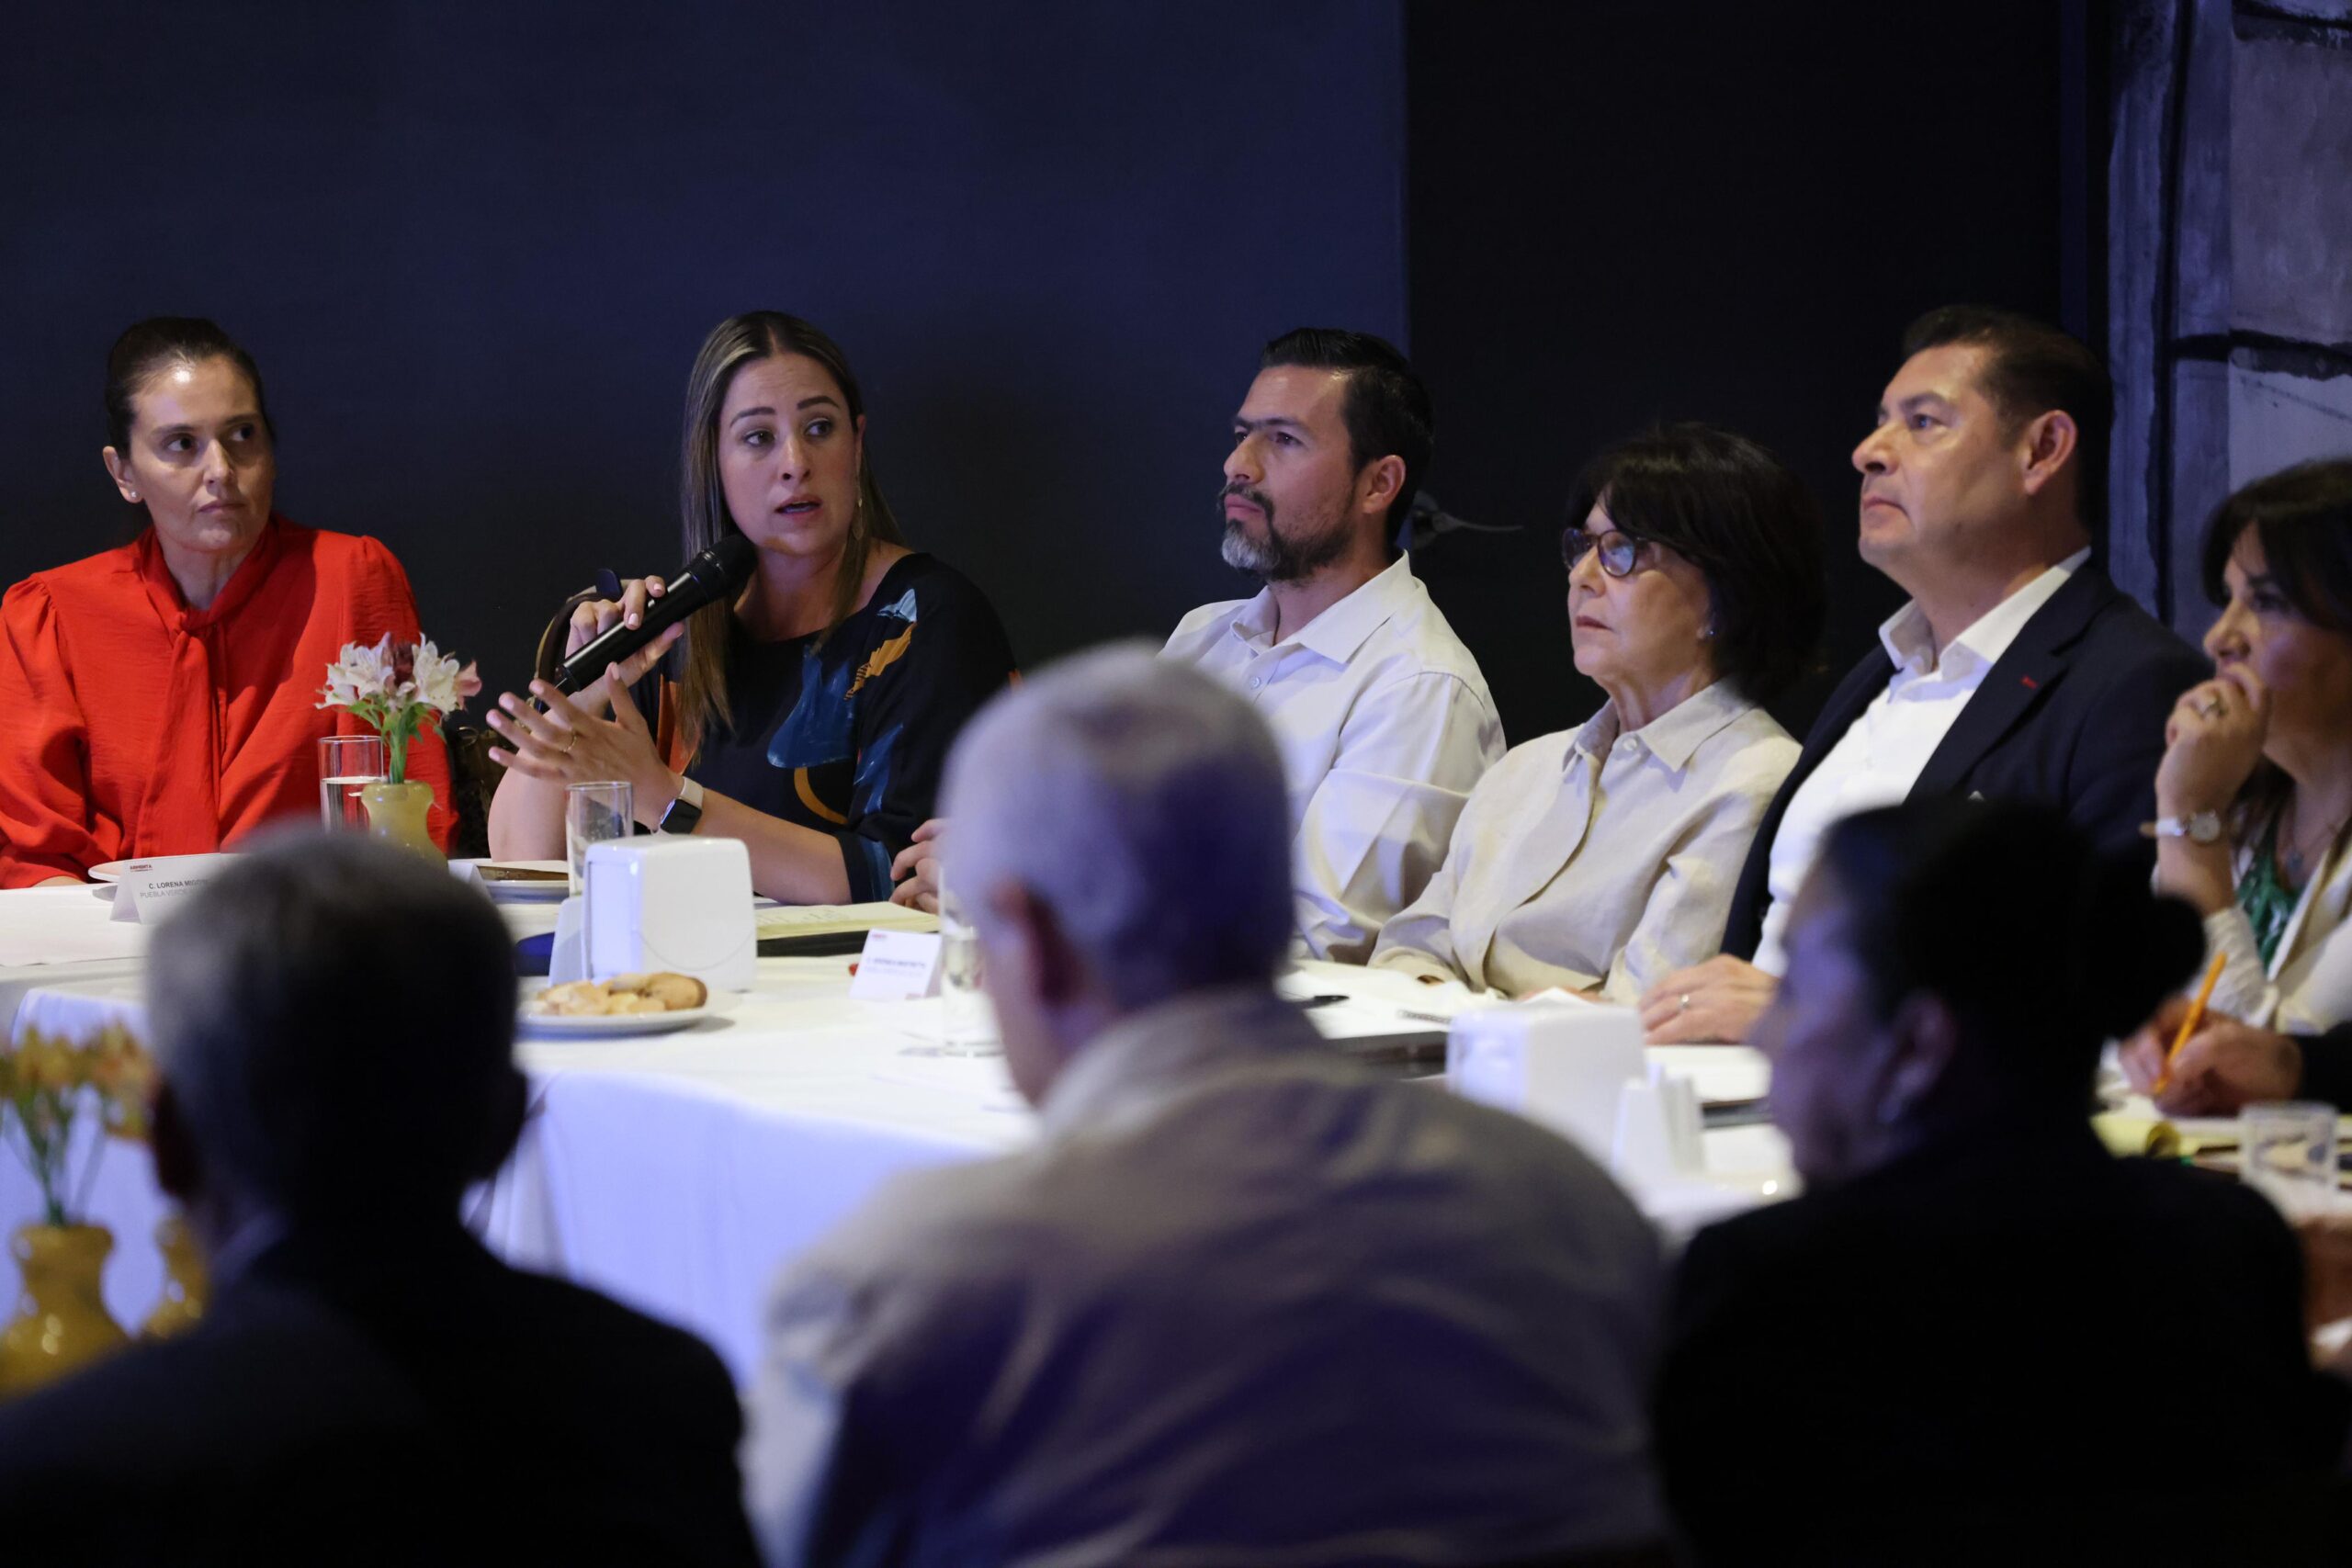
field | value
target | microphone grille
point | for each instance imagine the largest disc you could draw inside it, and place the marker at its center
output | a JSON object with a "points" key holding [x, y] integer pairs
{"points": [[735, 556]]}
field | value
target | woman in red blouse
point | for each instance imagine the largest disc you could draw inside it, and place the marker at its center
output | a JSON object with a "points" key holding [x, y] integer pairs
{"points": [[160, 698]]}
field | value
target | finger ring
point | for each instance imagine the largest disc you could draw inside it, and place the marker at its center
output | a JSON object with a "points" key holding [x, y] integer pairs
{"points": [[2211, 707], [1685, 1005], [570, 742]]}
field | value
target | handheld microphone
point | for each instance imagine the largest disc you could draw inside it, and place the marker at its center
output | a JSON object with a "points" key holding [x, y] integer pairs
{"points": [[717, 572]]}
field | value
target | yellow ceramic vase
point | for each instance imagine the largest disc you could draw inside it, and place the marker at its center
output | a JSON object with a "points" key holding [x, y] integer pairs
{"points": [[185, 1284], [396, 813], [62, 1322]]}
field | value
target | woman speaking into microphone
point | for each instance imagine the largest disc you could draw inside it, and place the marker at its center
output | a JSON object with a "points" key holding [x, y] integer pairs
{"points": [[809, 713]]}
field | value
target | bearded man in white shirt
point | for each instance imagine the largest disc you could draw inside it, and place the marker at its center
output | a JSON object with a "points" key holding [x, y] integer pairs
{"points": [[2017, 672], [1382, 715]]}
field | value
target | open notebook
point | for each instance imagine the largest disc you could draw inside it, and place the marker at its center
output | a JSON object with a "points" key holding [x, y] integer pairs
{"points": [[819, 931]]}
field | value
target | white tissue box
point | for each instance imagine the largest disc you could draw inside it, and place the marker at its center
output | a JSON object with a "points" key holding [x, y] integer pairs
{"points": [[1563, 1063], [681, 904]]}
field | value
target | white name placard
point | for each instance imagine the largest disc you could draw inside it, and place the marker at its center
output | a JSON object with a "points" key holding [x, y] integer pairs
{"points": [[896, 966], [150, 887]]}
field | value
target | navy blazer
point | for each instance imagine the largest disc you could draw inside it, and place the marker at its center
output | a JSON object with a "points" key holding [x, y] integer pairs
{"points": [[2072, 715]]}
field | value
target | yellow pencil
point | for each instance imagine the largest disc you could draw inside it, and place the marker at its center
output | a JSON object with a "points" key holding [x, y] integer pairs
{"points": [[2195, 1016]]}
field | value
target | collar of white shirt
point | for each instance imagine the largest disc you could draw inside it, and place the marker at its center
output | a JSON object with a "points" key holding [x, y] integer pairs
{"points": [[1166, 1048], [1674, 736], [1911, 646], [1341, 628]]}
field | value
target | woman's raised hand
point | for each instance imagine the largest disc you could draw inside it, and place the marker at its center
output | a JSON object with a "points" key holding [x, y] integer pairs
{"points": [[592, 618], [571, 742], [2212, 741]]}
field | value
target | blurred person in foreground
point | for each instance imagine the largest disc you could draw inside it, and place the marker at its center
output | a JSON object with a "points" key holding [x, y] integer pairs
{"points": [[368, 1384], [1240, 1302], [1978, 1336]]}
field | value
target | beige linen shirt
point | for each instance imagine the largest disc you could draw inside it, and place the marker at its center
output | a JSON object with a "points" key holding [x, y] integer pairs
{"points": [[1240, 1303], [1594, 858], [2306, 988], [1384, 722]]}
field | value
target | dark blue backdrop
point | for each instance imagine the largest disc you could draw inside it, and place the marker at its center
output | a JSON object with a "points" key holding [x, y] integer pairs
{"points": [[475, 247]]}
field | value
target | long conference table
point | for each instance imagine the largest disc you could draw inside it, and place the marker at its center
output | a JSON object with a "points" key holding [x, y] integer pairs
{"points": [[681, 1171]]}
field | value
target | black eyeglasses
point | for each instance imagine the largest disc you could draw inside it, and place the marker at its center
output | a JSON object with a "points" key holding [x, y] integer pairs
{"points": [[1618, 551]]}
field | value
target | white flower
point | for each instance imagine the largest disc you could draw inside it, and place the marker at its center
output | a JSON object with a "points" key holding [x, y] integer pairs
{"points": [[361, 674], [440, 683]]}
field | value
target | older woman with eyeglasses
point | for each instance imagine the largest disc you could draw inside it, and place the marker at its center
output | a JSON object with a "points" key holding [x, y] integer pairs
{"points": [[1598, 859]]}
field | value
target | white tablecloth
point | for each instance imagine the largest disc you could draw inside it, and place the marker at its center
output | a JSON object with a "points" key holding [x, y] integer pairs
{"points": [[679, 1172]]}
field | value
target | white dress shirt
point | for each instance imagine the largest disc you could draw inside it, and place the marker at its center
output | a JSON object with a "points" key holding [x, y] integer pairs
{"points": [[1242, 1302], [1878, 760], [1590, 857], [1385, 724], [2306, 988]]}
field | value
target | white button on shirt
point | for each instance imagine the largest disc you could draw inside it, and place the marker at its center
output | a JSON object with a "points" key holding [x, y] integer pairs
{"points": [[1878, 760], [1590, 858], [1383, 723]]}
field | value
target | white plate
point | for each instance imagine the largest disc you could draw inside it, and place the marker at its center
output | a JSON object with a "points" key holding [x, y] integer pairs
{"points": [[720, 1002], [525, 892]]}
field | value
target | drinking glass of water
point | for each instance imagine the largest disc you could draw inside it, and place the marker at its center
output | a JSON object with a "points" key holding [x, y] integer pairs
{"points": [[594, 813], [966, 1018], [2287, 1151], [347, 763]]}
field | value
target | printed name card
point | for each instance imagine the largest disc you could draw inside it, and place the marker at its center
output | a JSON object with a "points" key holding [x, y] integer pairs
{"points": [[150, 887], [896, 966]]}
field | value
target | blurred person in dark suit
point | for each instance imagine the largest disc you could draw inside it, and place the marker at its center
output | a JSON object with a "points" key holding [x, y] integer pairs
{"points": [[333, 1023], [1977, 1336], [1241, 1302]]}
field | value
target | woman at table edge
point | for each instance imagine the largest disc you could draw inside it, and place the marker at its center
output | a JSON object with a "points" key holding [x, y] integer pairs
{"points": [[2254, 796], [1599, 859], [160, 698], [808, 718]]}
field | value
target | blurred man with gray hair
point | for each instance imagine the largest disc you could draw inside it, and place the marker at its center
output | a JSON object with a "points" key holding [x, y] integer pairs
{"points": [[334, 1021], [1241, 1302]]}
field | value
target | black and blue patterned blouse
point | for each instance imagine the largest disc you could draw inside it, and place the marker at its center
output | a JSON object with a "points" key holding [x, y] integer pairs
{"points": [[849, 736]]}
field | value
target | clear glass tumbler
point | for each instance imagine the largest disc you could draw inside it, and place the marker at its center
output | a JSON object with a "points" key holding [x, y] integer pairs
{"points": [[592, 814], [2288, 1154], [347, 763], [967, 1024]]}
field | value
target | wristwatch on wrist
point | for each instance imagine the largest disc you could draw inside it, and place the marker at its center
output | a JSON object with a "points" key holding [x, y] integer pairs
{"points": [[2198, 827], [685, 811]]}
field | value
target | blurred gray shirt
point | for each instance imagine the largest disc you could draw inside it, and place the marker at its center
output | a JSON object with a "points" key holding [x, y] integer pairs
{"points": [[1240, 1303]]}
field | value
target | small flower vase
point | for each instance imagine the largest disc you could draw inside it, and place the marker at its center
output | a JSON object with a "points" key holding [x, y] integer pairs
{"points": [[186, 1285], [62, 1322], [396, 813]]}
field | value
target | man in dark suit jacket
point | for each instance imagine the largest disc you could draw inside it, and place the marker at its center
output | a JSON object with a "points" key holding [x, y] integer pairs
{"points": [[2017, 671], [334, 1021]]}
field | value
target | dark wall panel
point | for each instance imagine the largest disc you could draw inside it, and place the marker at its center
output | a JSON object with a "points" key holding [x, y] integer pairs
{"points": [[474, 248], [1623, 211]]}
